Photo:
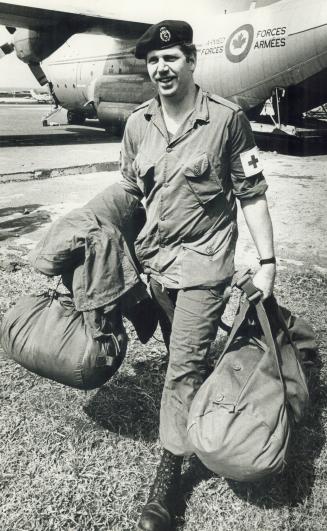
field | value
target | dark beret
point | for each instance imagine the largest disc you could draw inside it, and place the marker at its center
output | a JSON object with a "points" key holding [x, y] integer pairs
{"points": [[163, 35]]}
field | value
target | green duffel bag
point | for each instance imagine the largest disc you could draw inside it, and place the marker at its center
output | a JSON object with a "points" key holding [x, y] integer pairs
{"points": [[46, 335], [240, 420]]}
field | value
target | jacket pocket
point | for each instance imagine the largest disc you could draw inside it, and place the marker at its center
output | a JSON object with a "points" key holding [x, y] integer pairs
{"points": [[144, 170], [202, 178], [211, 261]]}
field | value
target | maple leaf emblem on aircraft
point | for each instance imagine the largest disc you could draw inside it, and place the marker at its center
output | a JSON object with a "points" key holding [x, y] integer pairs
{"points": [[239, 41]]}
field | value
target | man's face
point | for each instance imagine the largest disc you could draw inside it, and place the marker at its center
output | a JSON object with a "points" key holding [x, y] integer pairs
{"points": [[170, 71]]}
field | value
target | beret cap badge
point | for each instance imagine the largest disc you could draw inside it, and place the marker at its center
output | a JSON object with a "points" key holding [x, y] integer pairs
{"points": [[165, 34], [162, 35]]}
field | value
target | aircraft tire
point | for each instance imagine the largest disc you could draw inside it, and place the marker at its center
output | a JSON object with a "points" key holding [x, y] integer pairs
{"points": [[115, 130], [75, 118]]}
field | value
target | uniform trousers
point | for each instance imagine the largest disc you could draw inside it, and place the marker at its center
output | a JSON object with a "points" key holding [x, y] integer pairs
{"points": [[189, 321]]}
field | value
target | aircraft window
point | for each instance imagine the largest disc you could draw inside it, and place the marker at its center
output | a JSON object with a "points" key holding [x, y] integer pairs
{"points": [[74, 85], [65, 85]]}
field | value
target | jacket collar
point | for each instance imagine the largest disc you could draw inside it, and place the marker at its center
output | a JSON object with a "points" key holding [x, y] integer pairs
{"points": [[201, 112]]}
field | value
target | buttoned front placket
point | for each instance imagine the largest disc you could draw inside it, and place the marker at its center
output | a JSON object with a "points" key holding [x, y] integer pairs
{"points": [[175, 216], [182, 133], [158, 122], [168, 163]]}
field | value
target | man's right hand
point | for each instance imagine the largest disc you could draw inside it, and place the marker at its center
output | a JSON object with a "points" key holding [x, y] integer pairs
{"points": [[264, 279]]}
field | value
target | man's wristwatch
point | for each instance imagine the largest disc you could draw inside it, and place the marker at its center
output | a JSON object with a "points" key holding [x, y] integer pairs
{"points": [[264, 261]]}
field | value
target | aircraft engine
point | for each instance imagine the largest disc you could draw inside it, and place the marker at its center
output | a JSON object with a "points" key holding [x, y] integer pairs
{"points": [[115, 96], [114, 115], [33, 46]]}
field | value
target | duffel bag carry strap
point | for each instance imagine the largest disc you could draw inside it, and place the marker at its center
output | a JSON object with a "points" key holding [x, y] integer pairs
{"points": [[253, 294], [238, 322], [265, 325], [244, 282]]}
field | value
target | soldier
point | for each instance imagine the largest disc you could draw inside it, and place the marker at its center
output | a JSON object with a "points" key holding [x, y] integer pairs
{"points": [[190, 154]]}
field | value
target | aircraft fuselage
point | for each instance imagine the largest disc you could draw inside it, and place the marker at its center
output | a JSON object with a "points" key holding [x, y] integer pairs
{"points": [[241, 56]]}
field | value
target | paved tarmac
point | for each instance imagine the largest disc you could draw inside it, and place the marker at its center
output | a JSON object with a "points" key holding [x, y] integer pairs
{"points": [[20, 119], [30, 150]]}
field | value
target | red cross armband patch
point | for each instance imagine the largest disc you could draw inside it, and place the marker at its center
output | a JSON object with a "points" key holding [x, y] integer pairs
{"points": [[251, 162]]}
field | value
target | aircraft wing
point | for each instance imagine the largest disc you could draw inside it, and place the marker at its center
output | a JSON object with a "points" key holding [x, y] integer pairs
{"points": [[118, 18], [97, 17]]}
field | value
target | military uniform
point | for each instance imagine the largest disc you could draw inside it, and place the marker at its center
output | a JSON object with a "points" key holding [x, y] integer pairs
{"points": [[189, 182]]}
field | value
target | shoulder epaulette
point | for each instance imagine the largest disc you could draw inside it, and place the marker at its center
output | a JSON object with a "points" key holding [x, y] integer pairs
{"points": [[142, 106], [223, 101]]}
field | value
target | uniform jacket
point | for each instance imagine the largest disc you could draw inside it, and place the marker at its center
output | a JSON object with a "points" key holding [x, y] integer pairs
{"points": [[95, 242], [189, 182]]}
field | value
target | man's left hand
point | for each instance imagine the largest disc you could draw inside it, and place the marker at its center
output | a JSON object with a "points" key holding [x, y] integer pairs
{"points": [[264, 279]]}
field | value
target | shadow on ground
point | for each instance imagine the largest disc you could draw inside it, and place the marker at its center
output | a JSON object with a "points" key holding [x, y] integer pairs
{"points": [[129, 404], [23, 220], [291, 146], [62, 135]]}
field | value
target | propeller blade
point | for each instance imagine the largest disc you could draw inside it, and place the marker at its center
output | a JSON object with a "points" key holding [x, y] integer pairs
{"points": [[38, 73], [6, 49]]}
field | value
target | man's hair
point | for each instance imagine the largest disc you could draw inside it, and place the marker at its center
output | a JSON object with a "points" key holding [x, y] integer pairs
{"points": [[188, 50]]}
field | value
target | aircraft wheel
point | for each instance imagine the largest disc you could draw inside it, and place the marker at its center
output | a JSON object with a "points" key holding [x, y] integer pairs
{"points": [[116, 130], [75, 118]]}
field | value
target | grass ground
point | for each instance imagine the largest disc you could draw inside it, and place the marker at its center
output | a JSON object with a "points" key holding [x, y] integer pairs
{"points": [[75, 461]]}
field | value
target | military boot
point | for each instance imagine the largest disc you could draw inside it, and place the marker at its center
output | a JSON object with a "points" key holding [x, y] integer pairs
{"points": [[159, 511]]}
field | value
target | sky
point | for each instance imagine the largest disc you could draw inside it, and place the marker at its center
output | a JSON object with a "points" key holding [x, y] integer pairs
{"points": [[14, 73]]}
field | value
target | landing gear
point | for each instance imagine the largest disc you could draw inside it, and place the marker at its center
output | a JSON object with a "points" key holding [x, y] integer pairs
{"points": [[116, 129], [53, 111], [75, 118], [277, 96], [275, 110]]}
